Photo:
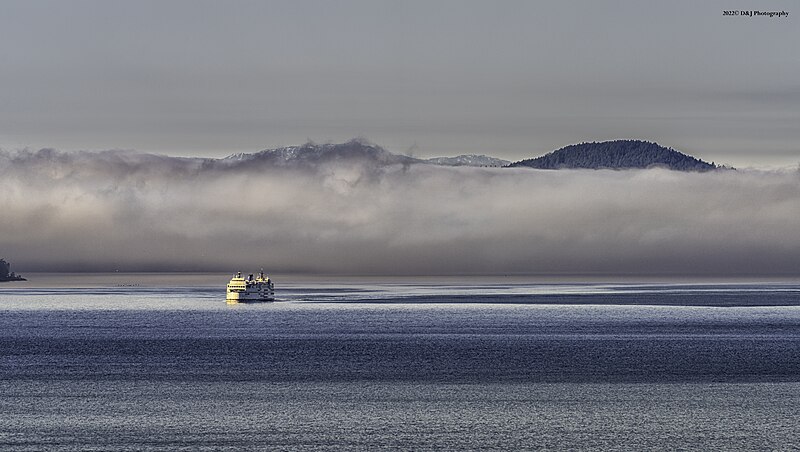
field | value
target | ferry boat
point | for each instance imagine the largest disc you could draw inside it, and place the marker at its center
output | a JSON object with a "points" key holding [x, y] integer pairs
{"points": [[241, 289]]}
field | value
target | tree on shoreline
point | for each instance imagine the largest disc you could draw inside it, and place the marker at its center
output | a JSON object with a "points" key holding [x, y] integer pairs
{"points": [[6, 274]]}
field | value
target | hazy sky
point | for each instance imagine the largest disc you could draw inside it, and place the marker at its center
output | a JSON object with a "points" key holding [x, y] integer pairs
{"points": [[512, 79]]}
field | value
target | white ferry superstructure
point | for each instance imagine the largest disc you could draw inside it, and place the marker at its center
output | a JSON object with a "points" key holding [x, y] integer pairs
{"points": [[241, 289]]}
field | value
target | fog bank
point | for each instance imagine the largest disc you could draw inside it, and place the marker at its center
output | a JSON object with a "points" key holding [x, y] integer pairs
{"points": [[124, 211]]}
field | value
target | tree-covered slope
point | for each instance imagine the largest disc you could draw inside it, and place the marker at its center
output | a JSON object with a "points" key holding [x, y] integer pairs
{"points": [[617, 154]]}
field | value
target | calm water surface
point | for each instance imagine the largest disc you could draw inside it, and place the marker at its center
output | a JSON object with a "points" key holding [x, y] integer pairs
{"points": [[160, 362]]}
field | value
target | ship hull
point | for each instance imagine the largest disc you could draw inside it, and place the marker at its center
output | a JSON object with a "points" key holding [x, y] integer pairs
{"points": [[234, 297]]}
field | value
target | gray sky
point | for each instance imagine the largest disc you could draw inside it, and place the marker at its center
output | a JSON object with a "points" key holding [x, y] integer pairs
{"points": [[512, 79]]}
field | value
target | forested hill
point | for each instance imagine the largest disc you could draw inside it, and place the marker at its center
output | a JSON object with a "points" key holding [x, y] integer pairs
{"points": [[618, 154]]}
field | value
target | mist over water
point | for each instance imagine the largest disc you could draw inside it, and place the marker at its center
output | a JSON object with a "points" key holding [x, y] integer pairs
{"points": [[128, 211]]}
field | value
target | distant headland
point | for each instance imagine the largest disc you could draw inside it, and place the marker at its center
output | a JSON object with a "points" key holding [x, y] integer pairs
{"points": [[6, 274]]}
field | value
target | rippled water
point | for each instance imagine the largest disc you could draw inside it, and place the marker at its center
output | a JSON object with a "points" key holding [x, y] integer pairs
{"points": [[160, 362]]}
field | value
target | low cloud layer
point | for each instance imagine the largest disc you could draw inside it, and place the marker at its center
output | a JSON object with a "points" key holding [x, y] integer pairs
{"points": [[115, 210]]}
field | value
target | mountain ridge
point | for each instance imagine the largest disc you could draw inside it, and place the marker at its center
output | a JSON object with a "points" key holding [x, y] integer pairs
{"points": [[614, 154], [313, 152], [617, 154]]}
